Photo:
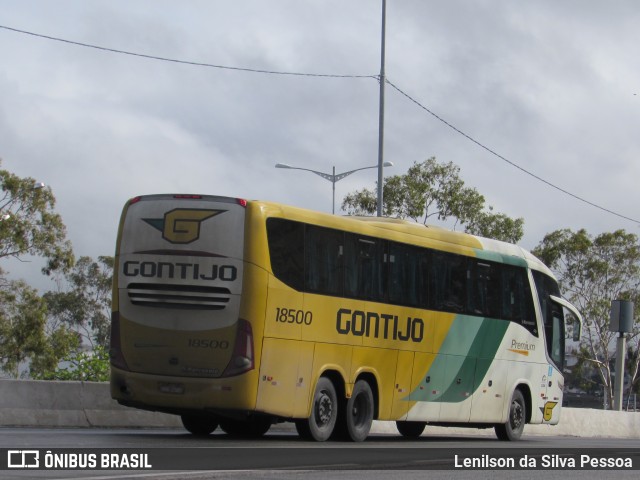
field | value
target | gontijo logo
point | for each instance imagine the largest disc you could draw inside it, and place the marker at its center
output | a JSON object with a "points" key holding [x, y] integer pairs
{"points": [[182, 225]]}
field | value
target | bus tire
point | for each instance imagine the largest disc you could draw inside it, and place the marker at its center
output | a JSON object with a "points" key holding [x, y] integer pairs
{"points": [[252, 428], [513, 428], [200, 425], [411, 429], [359, 412], [324, 412]]}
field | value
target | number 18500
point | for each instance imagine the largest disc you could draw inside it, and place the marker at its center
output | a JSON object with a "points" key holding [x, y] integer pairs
{"points": [[291, 315]]}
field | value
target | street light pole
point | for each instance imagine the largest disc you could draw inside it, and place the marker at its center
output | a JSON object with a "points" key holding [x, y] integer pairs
{"points": [[332, 177], [381, 114]]}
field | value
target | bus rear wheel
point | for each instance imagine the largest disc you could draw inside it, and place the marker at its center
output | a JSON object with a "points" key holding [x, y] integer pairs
{"points": [[324, 412], [411, 429], [513, 428], [200, 425], [359, 412]]}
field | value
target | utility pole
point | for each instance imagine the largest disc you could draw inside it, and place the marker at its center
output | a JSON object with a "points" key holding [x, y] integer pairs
{"points": [[381, 115]]}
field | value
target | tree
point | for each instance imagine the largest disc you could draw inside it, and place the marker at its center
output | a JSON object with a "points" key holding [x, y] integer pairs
{"points": [[81, 366], [29, 225], [593, 271], [22, 319], [23, 331], [86, 306], [431, 189]]}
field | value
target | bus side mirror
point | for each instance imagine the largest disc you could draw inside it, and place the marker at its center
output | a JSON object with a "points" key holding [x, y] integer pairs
{"points": [[576, 319]]}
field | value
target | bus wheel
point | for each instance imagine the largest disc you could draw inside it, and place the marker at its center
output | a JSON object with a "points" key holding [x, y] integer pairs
{"points": [[359, 414], [324, 412], [512, 430], [253, 428], [411, 429], [201, 425]]}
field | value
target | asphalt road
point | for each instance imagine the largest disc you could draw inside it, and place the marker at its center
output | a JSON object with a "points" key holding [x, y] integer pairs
{"points": [[174, 454]]}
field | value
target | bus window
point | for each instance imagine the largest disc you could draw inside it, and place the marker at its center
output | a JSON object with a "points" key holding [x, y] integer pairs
{"points": [[286, 249], [483, 289], [517, 302], [447, 279], [364, 268], [553, 317], [324, 260], [408, 275]]}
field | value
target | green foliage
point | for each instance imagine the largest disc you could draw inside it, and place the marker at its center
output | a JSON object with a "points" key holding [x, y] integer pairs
{"points": [[431, 189], [29, 225], [593, 271], [44, 330], [86, 306], [22, 320], [81, 366], [25, 334]]}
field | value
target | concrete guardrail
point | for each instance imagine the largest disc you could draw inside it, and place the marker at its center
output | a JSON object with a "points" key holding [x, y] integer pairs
{"points": [[32, 403]]}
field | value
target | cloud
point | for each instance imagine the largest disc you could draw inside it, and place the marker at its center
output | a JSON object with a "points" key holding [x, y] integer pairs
{"points": [[548, 85]]}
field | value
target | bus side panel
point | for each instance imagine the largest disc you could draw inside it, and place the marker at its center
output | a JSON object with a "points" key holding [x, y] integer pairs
{"points": [[555, 387], [285, 377], [546, 399], [284, 316], [425, 389], [334, 320], [455, 401], [330, 357], [520, 375], [402, 386], [382, 364], [489, 397]]}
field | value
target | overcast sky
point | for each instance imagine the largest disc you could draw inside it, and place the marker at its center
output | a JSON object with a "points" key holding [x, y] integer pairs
{"points": [[553, 86]]}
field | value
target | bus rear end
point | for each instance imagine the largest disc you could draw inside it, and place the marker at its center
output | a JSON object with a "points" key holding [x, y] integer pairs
{"points": [[178, 342]]}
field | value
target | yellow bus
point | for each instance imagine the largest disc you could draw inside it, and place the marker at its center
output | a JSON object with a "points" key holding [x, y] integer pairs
{"points": [[239, 314]]}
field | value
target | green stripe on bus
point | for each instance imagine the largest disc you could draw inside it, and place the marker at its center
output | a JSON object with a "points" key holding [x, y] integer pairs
{"points": [[468, 339]]}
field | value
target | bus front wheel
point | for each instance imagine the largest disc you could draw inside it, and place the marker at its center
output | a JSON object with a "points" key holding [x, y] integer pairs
{"points": [[513, 428], [324, 412], [200, 425]]}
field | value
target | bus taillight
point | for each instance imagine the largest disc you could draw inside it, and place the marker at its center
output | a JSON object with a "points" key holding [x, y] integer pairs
{"points": [[242, 359]]}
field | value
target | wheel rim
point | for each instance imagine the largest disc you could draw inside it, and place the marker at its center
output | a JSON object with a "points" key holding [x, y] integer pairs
{"points": [[324, 409], [516, 415]]}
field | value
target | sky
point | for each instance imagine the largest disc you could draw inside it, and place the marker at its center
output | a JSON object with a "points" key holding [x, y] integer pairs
{"points": [[553, 87]]}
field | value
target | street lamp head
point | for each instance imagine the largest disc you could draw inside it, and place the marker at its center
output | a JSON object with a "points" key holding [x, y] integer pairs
{"points": [[387, 164], [282, 165]]}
